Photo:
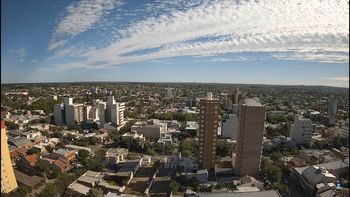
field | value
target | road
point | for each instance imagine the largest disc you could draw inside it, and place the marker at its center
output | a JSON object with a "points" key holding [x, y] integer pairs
{"points": [[295, 188]]}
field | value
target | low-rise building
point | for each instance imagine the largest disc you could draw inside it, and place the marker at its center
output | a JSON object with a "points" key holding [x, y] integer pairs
{"points": [[316, 179], [165, 138], [186, 164], [151, 129], [21, 142], [90, 179], [130, 135], [77, 148], [68, 154], [114, 156], [192, 127]]}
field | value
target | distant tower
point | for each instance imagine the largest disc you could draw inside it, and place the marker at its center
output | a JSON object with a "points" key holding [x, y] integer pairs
{"points": [[332, 106], [249, 138], [169, 92], [58, 114], [301, 130], [208, 126], [8, 179]]}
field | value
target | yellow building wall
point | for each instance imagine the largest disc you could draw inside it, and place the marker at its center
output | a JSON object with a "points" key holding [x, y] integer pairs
{"points": [[8, 179]]}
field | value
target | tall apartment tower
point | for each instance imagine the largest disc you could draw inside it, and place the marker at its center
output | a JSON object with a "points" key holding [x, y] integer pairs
{"points": [[249, 138], [169, 92], [208, 127], [115, 111], [101, 113], [332, 106], [74, 113], [58, 114], [8, 179], [88, 112], [301, 130]]}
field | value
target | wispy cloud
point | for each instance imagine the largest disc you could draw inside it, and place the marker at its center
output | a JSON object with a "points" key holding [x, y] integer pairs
{"points": [[80, 17], [20, 53], [339, 78], [312, 30]]}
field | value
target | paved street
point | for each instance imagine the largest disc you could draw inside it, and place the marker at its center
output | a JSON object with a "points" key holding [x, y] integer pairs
{"points": [[295, 188]]}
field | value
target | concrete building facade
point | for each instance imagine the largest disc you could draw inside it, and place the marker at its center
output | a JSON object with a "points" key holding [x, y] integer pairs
{"points": [[8, 179], [332, 107], [249, 138], [208, 126], [74, 113], [230, 126], [301, 130], [59, 115], [169, 92]]}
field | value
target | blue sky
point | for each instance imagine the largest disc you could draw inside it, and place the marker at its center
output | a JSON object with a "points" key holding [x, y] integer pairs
{"points": [[254, 42]]}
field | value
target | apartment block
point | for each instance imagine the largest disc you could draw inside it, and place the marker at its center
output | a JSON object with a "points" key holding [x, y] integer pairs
{"points": [[249, 138], [208, 127], [301, 130], [74, 113], [59, 115]]}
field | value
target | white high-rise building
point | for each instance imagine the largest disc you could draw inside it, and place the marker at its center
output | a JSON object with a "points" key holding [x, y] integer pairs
{"points": [[115, 111], [230, 126], [169, 93], [120, 113], [332, 106], [74, 113], [67, 101], [94, 113], [301, 130], [87, 112], [58, 114], [101, 113]]}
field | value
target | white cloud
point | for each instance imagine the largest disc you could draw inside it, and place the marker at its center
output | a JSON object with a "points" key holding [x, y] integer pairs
{"points": [[22, 52], [80, 17], [339, 78], [312, 30]]}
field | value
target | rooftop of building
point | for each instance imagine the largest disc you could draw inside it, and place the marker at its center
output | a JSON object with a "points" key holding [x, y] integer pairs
{"points": [[317, 174], [20, 141], [252, 102], [62, 151], [266, 193], [117, 151], [80, 188], [29, 181]]}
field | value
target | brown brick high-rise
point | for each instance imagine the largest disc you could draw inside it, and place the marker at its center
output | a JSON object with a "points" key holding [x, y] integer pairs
{"points": [[249, 138], [208, 126]]}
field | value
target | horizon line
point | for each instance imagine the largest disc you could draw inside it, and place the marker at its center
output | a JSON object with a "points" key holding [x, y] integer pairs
{"points": [[223, 83]]}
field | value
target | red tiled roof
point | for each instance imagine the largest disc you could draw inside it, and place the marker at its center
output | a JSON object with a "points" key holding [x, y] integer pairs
{"points": [[3, 124], [14, 153], [33, 159]]}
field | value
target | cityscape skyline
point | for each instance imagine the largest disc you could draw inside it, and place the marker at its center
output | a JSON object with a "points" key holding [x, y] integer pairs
{"points": [[253, 42]]}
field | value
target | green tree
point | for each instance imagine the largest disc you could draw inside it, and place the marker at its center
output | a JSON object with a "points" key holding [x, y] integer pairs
{"points": [[223, 148], [282, 189], [83, 154], [187, 148], [33, 151], [151, 151], [276, 156], [220, 186], [93, 140], [11, 125], [95, 192], [49, 149], [272, 172], [174, 186]]}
